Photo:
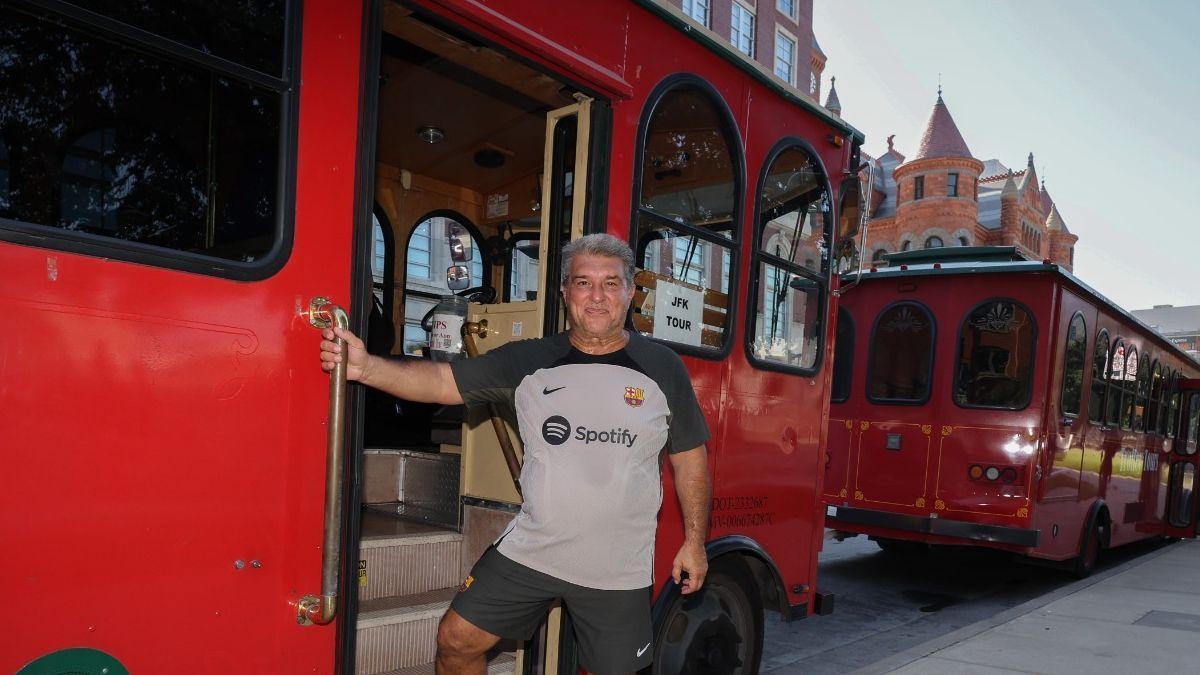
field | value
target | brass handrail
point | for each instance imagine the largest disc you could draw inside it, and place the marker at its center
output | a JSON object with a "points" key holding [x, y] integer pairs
{"points": [[312, 609]]}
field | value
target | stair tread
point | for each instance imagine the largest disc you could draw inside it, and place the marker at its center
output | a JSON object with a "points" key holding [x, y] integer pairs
{"points": [[379, 528], [500, 665], [402, 608]]}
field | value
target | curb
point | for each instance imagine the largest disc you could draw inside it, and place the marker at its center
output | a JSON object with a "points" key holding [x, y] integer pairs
{"points": [[901, 659]]}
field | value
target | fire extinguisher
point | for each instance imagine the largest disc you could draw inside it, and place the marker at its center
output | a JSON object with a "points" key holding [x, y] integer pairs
{"points": [[445, 324]]}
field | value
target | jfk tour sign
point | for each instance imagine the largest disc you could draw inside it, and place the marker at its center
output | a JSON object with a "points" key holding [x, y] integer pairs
{"points": [[678, 313]]}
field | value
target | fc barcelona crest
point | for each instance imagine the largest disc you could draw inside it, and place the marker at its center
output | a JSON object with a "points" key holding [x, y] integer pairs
{"points": [[635, 396]]}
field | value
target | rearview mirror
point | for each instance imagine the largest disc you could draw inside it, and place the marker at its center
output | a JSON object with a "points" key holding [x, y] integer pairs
{"points": [[851, 209], [458, 277], [459, 240]]}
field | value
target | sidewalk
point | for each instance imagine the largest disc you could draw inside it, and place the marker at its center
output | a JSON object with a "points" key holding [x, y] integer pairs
{"points": [[1142, 617]]}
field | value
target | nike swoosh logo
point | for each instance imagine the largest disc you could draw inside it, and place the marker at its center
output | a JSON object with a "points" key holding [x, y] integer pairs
{"points": [[642, 650], [547, 390]]}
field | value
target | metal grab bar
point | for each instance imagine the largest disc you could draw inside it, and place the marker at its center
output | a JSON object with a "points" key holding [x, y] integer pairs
{"points": [[470, 330], [312, 609]]}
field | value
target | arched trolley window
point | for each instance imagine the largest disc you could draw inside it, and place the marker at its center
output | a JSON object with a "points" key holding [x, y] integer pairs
{"points": [[996, 345], [900, 365], [685, 230], [1074, 359], [843, 357], [1099, 373], [790, 267], [1116, 379]]}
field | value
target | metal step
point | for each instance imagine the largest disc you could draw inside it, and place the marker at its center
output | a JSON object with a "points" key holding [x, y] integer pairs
{"points": [[400, 631], [400, 558], [504, 664]]}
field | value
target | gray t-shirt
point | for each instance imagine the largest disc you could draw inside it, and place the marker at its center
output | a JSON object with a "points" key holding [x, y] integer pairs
{"points": [[593, 428]]}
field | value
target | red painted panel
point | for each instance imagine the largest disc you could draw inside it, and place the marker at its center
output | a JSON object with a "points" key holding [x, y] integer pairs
{"points": [[168, 424]]}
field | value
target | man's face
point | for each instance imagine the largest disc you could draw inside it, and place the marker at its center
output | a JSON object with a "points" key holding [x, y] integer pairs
{"points": [[596, 296]]}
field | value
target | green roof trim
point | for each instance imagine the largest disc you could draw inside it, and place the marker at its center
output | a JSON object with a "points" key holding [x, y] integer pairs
{"points": [[725, 50], [956, 254]]}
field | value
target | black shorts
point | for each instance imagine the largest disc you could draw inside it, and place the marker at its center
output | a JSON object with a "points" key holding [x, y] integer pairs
{"points": [[508, 599]]}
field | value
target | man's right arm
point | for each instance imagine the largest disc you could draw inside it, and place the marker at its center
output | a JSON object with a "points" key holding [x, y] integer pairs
{"points": [[409, 379]]}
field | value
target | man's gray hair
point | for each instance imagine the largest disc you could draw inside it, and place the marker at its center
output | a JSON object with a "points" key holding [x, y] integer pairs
{"points": [[604, 245]]}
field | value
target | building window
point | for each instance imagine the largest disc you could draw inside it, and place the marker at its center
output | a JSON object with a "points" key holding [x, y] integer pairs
{"points": [[420, 266], [905, 245], [1099, 368], [900, 364], [877, 256], [918, 188], [812, 83], [934, 242], [698, 10], [952, 185], [741, 29], [785, 57], [686, 231], [963, 241], [788, 7], [1074, 358], [995, 356], [843, 357], [793, 235]]}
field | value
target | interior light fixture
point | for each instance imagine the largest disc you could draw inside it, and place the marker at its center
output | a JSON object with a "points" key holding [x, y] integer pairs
{"points": [[431, 134]]}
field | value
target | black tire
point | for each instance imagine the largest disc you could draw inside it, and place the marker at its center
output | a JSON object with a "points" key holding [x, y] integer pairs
{"points": [[1089, 548], [900, 547], [716, 631]]}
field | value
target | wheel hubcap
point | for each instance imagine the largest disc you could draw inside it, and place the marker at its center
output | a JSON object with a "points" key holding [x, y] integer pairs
{"points": [[705, 634]]}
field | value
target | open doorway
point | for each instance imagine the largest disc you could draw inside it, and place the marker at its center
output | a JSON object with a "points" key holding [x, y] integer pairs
{"points": [[470, 142]]}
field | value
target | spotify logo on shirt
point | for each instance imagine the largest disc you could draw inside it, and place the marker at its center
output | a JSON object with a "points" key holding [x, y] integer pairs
{"points": [[556, 430]]}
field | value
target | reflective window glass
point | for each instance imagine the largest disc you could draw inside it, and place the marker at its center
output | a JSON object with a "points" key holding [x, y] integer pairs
{"points": [[418, 258], [995, 362], [1183, 494], [1191, 424], [741, 29], [697, 9], [785, 58], [687, 164], [113, 141], [792, 236], [686, 227], [1172, 421], [1116, 383], [1143, 391], [247, 32], [843, 357], [523, 271], [3, 179], [1074, 354], [1129, 388], [934, 242], [1099, 378], [901, 359], [1154, 407], [378, 257]]}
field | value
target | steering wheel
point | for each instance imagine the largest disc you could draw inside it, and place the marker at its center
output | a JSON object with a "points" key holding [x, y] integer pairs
{"points": [[481, 294]]}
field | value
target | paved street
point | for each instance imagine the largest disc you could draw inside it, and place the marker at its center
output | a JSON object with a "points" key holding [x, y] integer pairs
{"points": [[887, 604]]}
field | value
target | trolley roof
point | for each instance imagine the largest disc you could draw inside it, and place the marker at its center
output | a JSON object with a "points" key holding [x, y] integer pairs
{"points": [[960, 260]]}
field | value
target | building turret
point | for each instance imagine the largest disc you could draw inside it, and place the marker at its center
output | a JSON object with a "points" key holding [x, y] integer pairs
{"points": [[937, 189], [832, 104], [1010, 215], [1062, 242]]}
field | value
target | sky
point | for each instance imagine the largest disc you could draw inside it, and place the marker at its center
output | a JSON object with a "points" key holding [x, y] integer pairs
{"points": [[1104, 94]]}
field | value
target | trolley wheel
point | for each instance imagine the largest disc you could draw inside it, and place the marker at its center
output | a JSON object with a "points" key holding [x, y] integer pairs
{"points": [[716, 631], [1089, 548], [902, 547]]}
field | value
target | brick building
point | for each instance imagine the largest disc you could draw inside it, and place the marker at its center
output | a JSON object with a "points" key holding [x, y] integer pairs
{"points": [[776, 33], [944, 196]]}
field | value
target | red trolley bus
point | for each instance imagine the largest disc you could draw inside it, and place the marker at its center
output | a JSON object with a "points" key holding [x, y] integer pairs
{"points": [[187, 189], [995, 401]]}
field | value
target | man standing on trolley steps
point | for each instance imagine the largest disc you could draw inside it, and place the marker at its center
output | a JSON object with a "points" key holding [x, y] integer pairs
{"points": [[595, 408]]}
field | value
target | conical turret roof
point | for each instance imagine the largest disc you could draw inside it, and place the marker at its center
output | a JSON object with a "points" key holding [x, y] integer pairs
{"points": [[941, 137], [1054, 221], [832, 104]]}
